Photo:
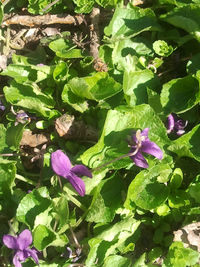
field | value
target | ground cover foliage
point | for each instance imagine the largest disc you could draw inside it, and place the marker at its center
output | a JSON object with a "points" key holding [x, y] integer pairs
{"points": [[100, 151]]}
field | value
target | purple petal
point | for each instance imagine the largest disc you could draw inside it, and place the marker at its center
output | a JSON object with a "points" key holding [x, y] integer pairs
{"points": [[139, 160], [10, 241], [152, 149], [81, 170], [24, 239], [180, 124], [19, 256], [77, 183], [33, 253], [171, 123], [60, 163], [145, 132], [180, 132]]}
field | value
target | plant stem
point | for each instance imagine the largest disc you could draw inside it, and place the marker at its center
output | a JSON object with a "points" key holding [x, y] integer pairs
{"points": [[27, 180]]}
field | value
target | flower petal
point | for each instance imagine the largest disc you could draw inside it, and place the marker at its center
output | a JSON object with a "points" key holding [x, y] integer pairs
{"points": [[145, 132], [171, 123], [81, 170], [152, 149], [24, 239], [33, 254], [77, 183], [10, 241], [60, 163], [19, 256], [139, 160]]}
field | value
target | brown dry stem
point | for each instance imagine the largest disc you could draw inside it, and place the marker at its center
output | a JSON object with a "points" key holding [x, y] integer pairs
{"points": [[48, 19]]}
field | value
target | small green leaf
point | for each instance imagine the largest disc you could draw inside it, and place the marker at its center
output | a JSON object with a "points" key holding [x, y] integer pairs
{"points": [[7, 174], [60, 73], [178, 199], [96, 87], [131, 21], [194, 190], [14, 135], [163, 210], [116, 260], [145, 190], [33, 204], [176, 179], [180, 256], [162, 48], [65, 49], [179, 95], [62, 210], [188, 145], [42, 237], [73, 100], [4, 147], [186, 18], [29, 96], [135, 84], [106, 200]]}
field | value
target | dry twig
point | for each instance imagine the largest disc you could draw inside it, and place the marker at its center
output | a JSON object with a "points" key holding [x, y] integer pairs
{"points": [[48, 19]]}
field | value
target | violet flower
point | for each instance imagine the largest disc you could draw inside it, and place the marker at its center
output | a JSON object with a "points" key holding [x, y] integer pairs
{"points": [[21, 245], [141, 143], [176, 124], [61, 165], [2, 107]]}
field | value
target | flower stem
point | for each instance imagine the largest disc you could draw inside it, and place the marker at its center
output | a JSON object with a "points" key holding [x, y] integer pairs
{"points": [[27, 180], [116, 159], [74, 200]]}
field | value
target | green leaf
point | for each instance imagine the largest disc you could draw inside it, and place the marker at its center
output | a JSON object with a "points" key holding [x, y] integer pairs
{"points": [[178, 199], [119, 124], [135, 47], [4, 147], [42, 237], [116, 260], [65, 49], [179, 95], [162, 48], [1, 13], [14, 135], [145, 190], [188, 145], [60, 72], [176, 179], [180, 256], [111, 240], [62, 210], [73, 100], [27, 73], [84, 6], [106, 200], [33, 204], [193, 64], [36, 7], [30, 97], [7, 174], [96, 87], [194, 190], [186, 18], [135, 84], [130, 22]]}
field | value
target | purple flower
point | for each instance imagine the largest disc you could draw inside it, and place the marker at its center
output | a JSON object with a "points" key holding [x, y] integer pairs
{"points": [[176, 124], [141, 143], [2, 107], [22, 117], [61, 165], [21, 245]]}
